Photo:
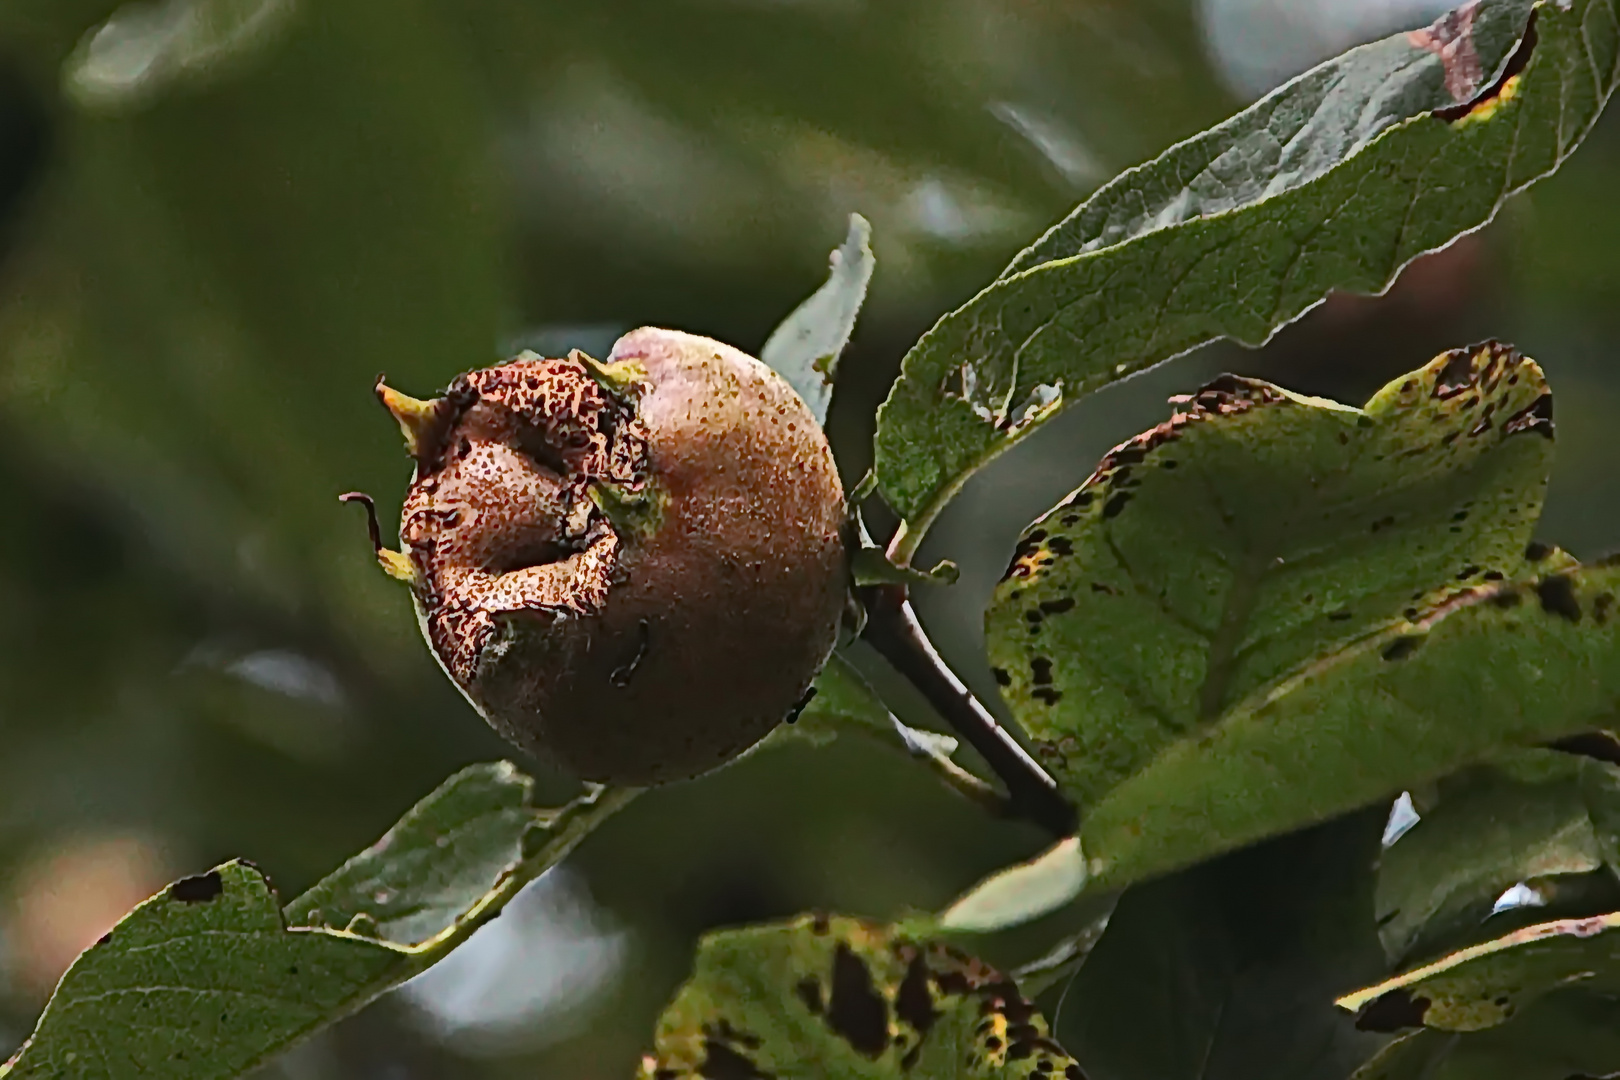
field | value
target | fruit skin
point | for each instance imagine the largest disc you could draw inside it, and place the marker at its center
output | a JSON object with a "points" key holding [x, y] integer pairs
{"points": [[643, 595]]}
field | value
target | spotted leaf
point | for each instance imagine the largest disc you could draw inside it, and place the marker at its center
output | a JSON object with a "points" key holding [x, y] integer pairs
{"points": [[1488, 984], [1566, 1034], [1335, 181], [212, 977], [1271, 609], [832, 996]]}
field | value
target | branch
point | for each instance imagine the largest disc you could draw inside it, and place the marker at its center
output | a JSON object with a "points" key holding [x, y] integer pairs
{"points": [[894, 631]]}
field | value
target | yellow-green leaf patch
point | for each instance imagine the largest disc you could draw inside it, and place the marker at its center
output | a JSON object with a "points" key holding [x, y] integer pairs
{"points": [[831, 996], [1486, 985]]}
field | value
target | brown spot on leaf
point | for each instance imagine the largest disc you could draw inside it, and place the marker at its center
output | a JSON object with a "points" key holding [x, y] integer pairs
{"points": [[1001, 676], [1600, 745], [809, 991], [199, 889], [1046, 695], [1451, 38], [1057, 607], [1557, 595], [721, 1062], [1040, 670], [1536, 551], [1392, 1012], [724, 1031], [1402, 647], [1115, 504], [913, 1004], [1456, 375], [856, 1012], [1500, 87], [1536, 417]]}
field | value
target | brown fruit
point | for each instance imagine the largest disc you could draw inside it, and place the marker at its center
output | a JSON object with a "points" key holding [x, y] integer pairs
{"points": [[633, 568]]}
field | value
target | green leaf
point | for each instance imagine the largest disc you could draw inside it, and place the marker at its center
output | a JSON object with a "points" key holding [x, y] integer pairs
{"points": [[805, 348], [1494, 666], [162, 995], [838, 997], [1525, 816], [1335, 181], [1272, 609], [1228, 970], [1485, 985], [202, 980], [440, 859], [1564, 1035], [1022, 892]]}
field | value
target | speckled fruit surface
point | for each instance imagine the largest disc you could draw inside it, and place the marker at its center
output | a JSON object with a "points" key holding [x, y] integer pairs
{"points": [[634, 569]]}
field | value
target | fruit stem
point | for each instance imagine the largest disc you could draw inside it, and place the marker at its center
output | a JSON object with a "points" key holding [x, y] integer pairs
{"points": [[894, 631]]}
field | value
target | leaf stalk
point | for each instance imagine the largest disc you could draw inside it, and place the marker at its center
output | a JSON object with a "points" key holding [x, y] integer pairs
{"points": [[894, 631]]}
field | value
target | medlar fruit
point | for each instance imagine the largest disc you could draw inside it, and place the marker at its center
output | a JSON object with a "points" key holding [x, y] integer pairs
{"points": [[634, 568]]}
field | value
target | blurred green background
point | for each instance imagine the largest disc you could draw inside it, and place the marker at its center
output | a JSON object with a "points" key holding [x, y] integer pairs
{"points": [[220, 219]]}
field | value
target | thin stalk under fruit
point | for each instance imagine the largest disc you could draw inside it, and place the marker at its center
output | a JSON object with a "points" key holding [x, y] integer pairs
{"points": [[893, 630]]}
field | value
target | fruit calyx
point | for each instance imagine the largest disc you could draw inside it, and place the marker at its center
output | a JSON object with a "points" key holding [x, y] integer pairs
{"points": [[506, 512]]}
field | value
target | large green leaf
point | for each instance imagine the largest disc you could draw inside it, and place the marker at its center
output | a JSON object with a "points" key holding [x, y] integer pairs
{"points": [[203, 980], [1513, 663], [1272, 609], [837, 997], [1530, 815], [1569, 1034], [1229, 970], [1335, 181], [211, 977], [1488, 984]]}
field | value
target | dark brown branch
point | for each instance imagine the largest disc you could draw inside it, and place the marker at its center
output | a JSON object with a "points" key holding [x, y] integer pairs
{"points": [[893, 630]]}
